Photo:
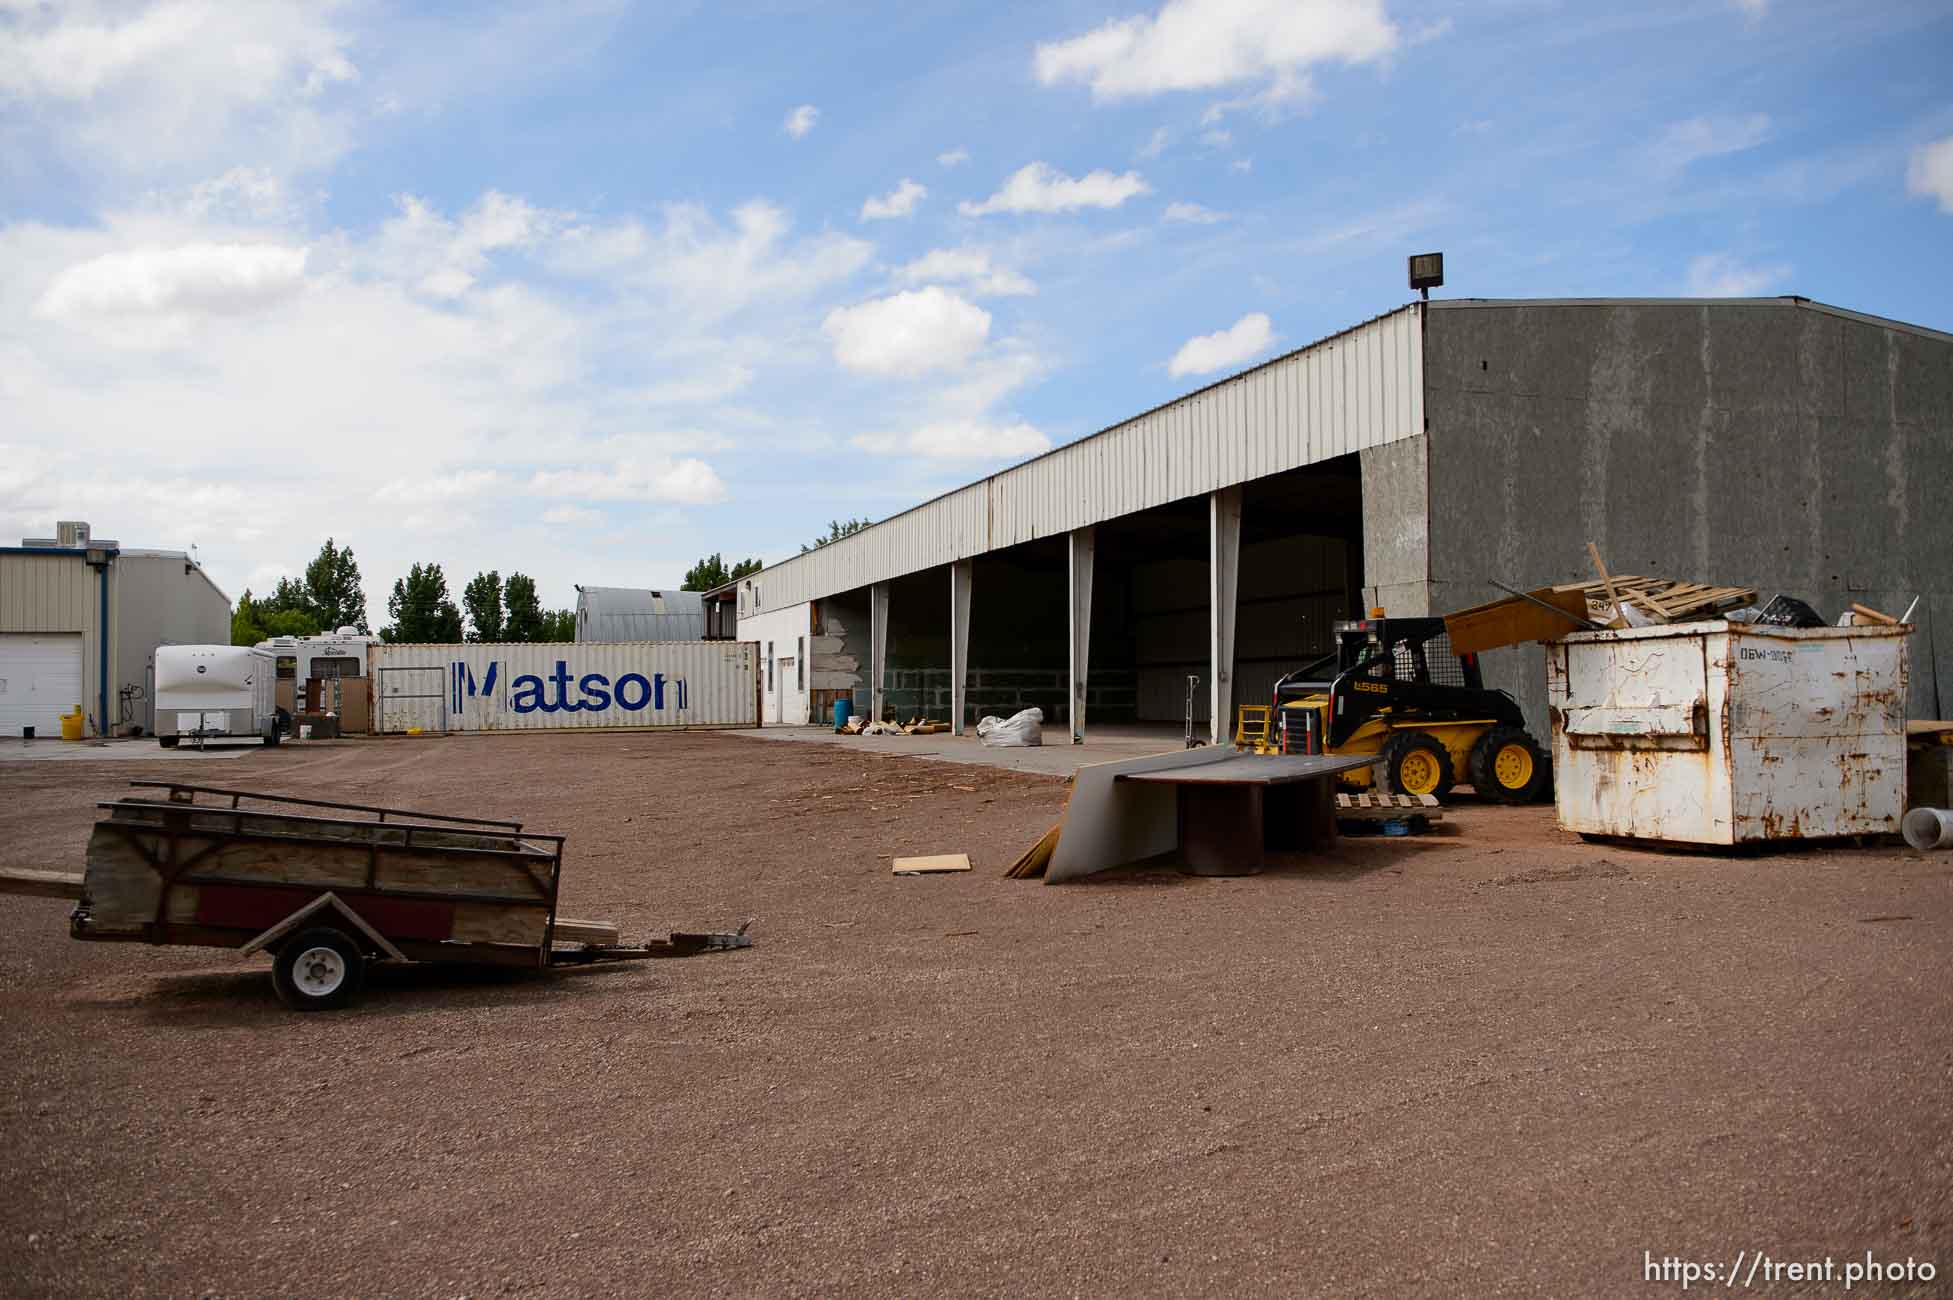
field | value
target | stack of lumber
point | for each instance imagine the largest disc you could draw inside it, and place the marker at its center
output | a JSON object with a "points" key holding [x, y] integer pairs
{"points": [[1549, 613], [1371, 806]]}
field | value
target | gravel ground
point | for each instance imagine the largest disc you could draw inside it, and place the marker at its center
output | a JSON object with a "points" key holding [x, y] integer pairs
{"points": [[1491, 1061]]}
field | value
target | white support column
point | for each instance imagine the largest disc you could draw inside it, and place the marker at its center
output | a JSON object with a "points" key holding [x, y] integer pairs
{"points": [[959, 642], [877, 648], [1082, 546], [1223, 583]]}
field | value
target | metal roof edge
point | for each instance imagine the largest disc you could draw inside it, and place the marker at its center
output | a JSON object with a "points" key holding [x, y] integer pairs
{"points": [[1780, 300], [1084, 438]]}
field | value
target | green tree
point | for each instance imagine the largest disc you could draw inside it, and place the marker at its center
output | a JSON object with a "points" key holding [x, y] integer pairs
{"points": [[711, 572], [522, 616], [258, 620], [421, 609], [836, 530], [482, 598], [288, 595], [559, 625], [332, 592]]}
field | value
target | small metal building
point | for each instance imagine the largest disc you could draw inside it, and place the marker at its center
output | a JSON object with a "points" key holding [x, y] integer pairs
{"points": [[80, 620], [1408, 462], [639, 614]]}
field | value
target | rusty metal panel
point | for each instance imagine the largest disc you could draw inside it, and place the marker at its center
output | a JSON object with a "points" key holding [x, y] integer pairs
{"points": [[1714, 733], [558, 685]]}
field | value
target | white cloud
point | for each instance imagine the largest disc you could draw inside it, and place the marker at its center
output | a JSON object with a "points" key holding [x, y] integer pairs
{"points": [[1697, 138], [1930, 172], [1247, 338], [959, 440], [688, 481], [1753, 9], [907, 333], [970, 267], [1243, 164], [898, 202], [182, 82], [1193, 213], [799, 121], [1206, 44], [1720, 275], [1217, 138], [1039, 187], [194, 278], [1156, 143], [564, 516], [1431, 31], [953, 157], [709, 270]]}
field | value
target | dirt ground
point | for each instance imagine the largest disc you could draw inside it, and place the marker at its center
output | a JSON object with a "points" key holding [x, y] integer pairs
{"points": [[1492, 1061]]}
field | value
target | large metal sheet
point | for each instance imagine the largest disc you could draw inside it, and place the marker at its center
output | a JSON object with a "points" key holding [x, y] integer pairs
{"points": [[542, 687]]}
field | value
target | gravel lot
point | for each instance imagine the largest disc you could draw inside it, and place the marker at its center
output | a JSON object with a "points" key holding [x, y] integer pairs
{"points": [[1492, 1061]]}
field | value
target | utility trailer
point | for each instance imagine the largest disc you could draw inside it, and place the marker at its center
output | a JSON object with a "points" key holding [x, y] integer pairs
{"points": [[327, 888]]}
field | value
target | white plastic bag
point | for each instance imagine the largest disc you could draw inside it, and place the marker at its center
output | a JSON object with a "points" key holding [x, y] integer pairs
{"points": [[1026, 728]]}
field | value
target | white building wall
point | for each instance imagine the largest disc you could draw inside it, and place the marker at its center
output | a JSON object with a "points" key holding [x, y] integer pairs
{"points": [[785, 638], [1361, 388]]}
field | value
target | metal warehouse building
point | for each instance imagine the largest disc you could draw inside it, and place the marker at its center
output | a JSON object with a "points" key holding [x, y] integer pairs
{"points": [[80, 620], [1775, 443]]}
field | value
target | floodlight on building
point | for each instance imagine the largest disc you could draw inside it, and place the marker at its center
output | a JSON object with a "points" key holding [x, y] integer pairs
{"points": [[1426, 272]]}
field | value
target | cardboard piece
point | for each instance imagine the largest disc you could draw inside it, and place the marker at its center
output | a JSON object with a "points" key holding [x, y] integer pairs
{"points": [[931, 866]]}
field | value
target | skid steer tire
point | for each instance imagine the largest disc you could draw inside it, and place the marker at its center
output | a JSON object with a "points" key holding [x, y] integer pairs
{"points": [[1414, 762], [1506, 764]]}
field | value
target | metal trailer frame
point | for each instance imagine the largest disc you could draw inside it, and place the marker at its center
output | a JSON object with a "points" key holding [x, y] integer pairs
{"points": [[248, 905]]}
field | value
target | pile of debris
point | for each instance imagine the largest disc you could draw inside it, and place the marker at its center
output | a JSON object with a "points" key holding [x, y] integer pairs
{"points": [[916, 726], [1616, 601]]}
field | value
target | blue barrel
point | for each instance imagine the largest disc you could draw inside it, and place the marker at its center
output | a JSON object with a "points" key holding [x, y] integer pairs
{"points": [[842, 708]]}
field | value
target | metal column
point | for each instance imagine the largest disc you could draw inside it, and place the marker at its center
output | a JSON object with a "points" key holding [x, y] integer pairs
{"points": [[1223, 583], [959, 642], [877, 647], [1082, 545]]}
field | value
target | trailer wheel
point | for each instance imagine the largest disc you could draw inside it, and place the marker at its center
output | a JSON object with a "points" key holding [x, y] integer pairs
{"points": [[318, 970], [1506, 764], [1416, 763], [167, 742]]}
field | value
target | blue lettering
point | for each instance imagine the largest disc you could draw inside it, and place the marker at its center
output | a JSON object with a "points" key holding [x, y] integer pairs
{"points": [[529, 695], [658, 690], [488, 679], [596, 693], [561, 677], [643, 688]]}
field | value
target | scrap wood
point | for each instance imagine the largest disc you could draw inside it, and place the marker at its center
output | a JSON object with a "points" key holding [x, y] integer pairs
{"points": [[1036, 858], [930, 866], [1370, 806], [1875, 616]]}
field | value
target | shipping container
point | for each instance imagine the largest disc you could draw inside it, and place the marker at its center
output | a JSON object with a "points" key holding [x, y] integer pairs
{"points": [[560, 685], [1726, 733]]}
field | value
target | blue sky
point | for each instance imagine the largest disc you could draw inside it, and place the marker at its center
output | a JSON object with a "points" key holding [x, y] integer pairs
{"points": [[591, 289]]}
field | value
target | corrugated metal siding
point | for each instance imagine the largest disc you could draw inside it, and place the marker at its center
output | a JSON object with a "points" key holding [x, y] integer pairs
{"points": [[1358, 389], [639, 614], [57, 593], [479, 687]]}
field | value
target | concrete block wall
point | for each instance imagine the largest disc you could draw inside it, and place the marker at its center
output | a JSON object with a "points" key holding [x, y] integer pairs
{"points": [[1773, 445]]}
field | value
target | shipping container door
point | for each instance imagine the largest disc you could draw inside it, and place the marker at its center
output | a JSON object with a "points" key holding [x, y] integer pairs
{"points": [[40, 679], [413, 698]]}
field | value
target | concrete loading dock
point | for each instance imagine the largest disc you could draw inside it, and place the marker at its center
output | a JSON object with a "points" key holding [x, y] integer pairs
{"points": [[1401, 464]]}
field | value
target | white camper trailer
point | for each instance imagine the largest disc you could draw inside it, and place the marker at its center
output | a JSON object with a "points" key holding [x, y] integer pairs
{"points": [[209, 692]]}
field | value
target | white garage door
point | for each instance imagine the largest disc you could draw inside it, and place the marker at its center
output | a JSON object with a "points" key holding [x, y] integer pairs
{"points": [[40, 679]]}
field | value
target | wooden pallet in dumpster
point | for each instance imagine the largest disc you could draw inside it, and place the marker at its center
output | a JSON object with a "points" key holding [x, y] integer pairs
{"points": [[327, 887]]}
